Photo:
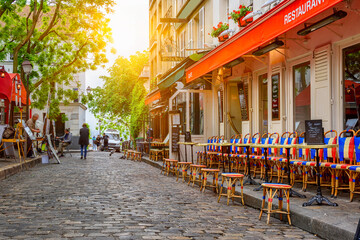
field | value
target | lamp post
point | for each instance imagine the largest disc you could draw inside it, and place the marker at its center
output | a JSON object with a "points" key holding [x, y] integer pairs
{"points": [[27, 68]]}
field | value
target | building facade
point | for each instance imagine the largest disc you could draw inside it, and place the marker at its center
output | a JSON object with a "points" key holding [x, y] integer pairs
{"points": [[297, 60]]}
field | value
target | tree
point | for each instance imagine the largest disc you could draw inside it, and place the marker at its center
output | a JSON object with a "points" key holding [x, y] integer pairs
{"points": [[123, 94], [60, 38]]}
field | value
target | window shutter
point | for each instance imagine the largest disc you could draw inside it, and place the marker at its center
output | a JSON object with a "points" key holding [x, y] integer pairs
{"points": [[321, 86], [201, 28]]}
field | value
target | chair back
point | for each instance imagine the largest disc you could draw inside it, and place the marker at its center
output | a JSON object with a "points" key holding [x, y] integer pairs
{"points": [[327, 153], [245, 140], [236, 139], [274, 139], [346, 147], [255, 139], [286, 139], [265, 139], [357, 150]]}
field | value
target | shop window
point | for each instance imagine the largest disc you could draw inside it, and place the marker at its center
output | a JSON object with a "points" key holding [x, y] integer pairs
{"points": [[180, 104], [196, 113], [302, 95], [275, 96], [351, 64], [243, 91]]}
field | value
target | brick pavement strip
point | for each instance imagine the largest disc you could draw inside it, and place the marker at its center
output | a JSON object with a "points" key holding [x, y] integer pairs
{"points": [[107, 198]]}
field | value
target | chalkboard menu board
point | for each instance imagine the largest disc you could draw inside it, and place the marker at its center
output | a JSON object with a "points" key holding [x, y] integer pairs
{"points": [[275, 90], [314, 132], [175, 138], [243, 90]]}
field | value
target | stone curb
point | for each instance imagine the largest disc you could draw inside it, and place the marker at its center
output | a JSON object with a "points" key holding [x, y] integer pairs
{"points": [[298, 219], [7, 171]]}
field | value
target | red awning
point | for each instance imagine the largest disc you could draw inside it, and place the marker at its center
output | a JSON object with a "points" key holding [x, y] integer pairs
{"points": [[152, 97], [277, 21], [5, 87]]}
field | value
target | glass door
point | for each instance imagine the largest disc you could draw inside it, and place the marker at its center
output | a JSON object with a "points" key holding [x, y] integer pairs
{"points": [[263, 104], [302, 96]]}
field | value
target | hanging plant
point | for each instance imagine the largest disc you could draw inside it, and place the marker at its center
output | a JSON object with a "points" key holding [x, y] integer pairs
{"points": [[238, 15], [219, 29]]}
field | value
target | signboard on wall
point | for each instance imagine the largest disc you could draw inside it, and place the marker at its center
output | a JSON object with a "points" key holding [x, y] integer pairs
{"points": [[175, 138], [243, 90], [275, 96]]}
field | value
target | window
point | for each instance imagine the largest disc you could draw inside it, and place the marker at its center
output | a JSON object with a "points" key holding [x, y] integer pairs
{"points": [[200, 29], [196, 113], [180, 103], [275, 96], [77, 92], [302, 95], [351, 59], [182, 44], [190, 31]]}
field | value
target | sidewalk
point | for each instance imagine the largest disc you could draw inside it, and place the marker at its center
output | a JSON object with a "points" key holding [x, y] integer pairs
{"points": [[9, 167], [324, 221]]}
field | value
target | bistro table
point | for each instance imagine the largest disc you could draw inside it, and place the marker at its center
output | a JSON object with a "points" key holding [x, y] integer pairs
{"points": [[318, 198], [287, 147], [191, 144], [249, 179], [205, 153], [223, 146]]}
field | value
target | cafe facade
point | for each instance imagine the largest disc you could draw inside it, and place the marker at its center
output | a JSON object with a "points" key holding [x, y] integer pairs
{"points": [[300, 60]]}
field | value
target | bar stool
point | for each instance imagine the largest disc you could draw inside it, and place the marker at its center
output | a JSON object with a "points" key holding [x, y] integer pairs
{"points": [[270, 190], [231, 179], [194, 170], [184, 167], [137, 156], [170, 166], [208, 171]]}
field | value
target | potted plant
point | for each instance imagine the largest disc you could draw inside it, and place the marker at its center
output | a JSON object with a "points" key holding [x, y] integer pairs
{"points": [[218, 30], [238, 16]]}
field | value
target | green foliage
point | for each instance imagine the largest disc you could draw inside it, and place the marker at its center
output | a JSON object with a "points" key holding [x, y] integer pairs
{"points": [[60, 37], [122, 98]]}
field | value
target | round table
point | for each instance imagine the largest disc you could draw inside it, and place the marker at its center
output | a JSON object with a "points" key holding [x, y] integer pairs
{"points": [[318, 198], [191, 144]]}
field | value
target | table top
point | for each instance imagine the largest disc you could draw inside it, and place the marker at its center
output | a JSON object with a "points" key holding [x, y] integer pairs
{"points": [[316, 146], [241, 144], [222, 144], [160, 143], [203, 144], [274, 145], [188, 143]]}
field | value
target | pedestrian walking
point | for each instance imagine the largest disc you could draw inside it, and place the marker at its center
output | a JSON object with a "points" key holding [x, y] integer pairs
{"points": [[98, 142], [94, 143], [84, 140]]}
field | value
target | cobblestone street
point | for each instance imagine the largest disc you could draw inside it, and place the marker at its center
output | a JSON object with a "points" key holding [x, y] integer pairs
{"points": [[109, 198]]}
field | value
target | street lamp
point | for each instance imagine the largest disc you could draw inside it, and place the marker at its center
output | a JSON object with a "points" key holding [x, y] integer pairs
{"points": [[27, 68], [88, 90]]}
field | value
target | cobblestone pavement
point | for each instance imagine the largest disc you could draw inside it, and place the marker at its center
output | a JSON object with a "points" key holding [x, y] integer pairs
{"points": [[109, 198]]}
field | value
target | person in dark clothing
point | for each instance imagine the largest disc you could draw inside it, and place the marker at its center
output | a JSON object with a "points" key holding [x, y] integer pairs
{"points": [[98, 142], [65, 141], [106, 142], [84, 140]]}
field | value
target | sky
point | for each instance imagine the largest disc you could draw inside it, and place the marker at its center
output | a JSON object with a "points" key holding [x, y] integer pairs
{"points": [[130, 29]]}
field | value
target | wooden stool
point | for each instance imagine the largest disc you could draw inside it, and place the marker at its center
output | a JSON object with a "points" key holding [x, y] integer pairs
{"points": [[156, 154], [231, 179], [271, 189], [137, 156], [129, 154], [170, 166], [194, 170], [184, 167], [205, 173]]}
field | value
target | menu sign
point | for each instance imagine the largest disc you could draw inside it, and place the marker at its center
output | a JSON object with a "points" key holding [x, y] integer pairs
{"points": [[175, 138], [243, 91], [188, 137], [314, 132], [275, 103]]}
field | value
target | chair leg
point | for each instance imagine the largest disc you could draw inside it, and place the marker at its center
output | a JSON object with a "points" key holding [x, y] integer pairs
{"points": [[263, 203], [269, 205], [221, 188], [287, 195]]}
